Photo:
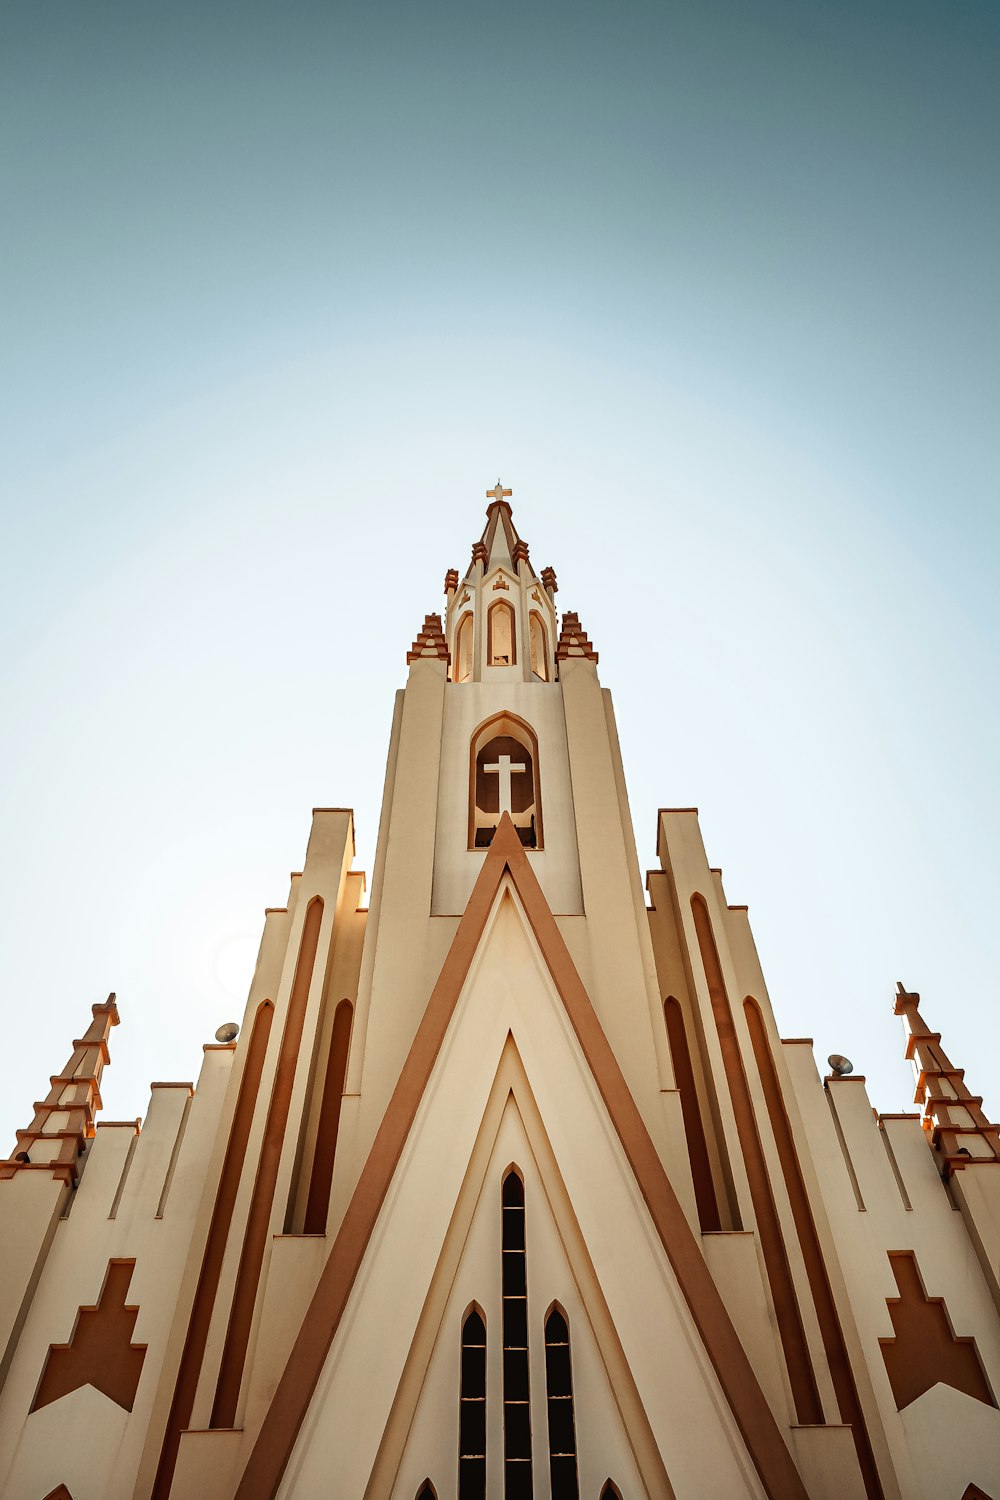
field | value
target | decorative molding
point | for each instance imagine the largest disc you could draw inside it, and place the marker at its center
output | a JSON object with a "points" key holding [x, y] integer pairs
{"points": [[957, 1129], [573, 640], [100, 1351], [925, 1350], [74, 1099], [430, 642]]}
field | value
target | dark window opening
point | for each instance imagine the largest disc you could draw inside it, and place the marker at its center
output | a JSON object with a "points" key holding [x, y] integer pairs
{"points": [[559, 1402], [516, 1383], [472, 1411]]}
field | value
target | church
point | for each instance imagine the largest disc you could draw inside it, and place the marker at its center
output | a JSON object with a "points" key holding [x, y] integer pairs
{"points": [[506, 1187]]}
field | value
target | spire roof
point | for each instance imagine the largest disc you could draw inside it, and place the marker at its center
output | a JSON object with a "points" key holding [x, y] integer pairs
{"points": [[499, 545]]}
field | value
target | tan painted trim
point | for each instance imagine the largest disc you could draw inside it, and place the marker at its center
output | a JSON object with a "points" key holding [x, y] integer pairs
{"points": [[227, 1391], [827, 1315], [279, 1430], [791, 1332], [200, 1319], [325, 1150], [100, 1351]]}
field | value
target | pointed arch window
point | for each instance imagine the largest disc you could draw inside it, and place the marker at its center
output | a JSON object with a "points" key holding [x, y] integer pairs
{"points": [[463, 650], [504, 778], [611, 1491], [501, 638], [516, 1392], [427, 1491], [539, 647], [559, 1400], [472, 1410]]}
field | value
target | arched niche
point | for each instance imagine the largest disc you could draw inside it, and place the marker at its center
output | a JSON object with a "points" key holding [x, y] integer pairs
{"points": [[539, 640], [501, 635], [503, 776], [462, 669]]}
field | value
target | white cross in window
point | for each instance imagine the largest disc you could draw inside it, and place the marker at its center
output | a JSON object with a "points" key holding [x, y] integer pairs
{"points": [[504, 769]]}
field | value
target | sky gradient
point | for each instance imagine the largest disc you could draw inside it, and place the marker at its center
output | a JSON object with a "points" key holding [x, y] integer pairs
{"points": [[713, 286]]}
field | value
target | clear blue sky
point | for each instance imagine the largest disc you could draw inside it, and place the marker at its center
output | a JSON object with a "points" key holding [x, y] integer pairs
{"points": [[713, 285]]}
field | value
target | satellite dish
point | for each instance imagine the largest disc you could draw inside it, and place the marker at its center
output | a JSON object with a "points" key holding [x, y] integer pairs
{"points": [[840, 1065], [227, 1032]]}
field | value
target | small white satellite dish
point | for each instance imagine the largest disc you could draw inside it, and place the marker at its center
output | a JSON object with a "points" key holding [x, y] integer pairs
{"points": [[227, 1032], [840, 1065]]}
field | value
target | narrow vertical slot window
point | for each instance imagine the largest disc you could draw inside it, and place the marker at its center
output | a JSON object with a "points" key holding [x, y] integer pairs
{"points": [[472, 1410], [516, 1408], [559, 1393]]}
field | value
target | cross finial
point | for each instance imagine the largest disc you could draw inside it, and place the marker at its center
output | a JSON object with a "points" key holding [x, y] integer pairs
{"points": [[498, 492]]}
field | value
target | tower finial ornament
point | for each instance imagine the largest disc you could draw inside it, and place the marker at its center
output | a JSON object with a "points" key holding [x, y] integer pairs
{"points": [[498, 492]]}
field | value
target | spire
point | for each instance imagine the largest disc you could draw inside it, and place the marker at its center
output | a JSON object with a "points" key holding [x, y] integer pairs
{"points": [[430, 641], [952, 1117], [573, 639], [499, 544], [64, 1120]]}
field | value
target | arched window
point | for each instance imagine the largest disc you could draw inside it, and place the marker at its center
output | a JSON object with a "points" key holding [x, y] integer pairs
{"points": [[427, 1491], [559, 1394], [462, 669], [611, 1491], [501, 648], [516, 1404], [504, 778], [472, 1410], [539, 647]]}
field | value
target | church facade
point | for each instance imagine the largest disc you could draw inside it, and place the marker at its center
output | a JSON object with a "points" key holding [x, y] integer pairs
{"points": [[509, 1186]]}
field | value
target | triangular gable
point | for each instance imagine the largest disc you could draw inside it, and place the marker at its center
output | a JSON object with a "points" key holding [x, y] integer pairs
{"points": [[468, 1274], [751, 1412]]}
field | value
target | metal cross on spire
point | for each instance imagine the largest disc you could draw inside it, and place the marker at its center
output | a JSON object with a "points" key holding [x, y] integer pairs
{"points": [[498, 492]]}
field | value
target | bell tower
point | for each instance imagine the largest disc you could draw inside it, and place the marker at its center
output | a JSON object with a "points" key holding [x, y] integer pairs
{"points": [[501, 619]]}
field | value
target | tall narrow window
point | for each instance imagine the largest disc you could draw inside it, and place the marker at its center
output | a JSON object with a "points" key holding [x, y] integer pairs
{"points": [[500, 650], [559, 1393], [472, 1411], [539, 648], [516, 1410], [463, 649]]}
